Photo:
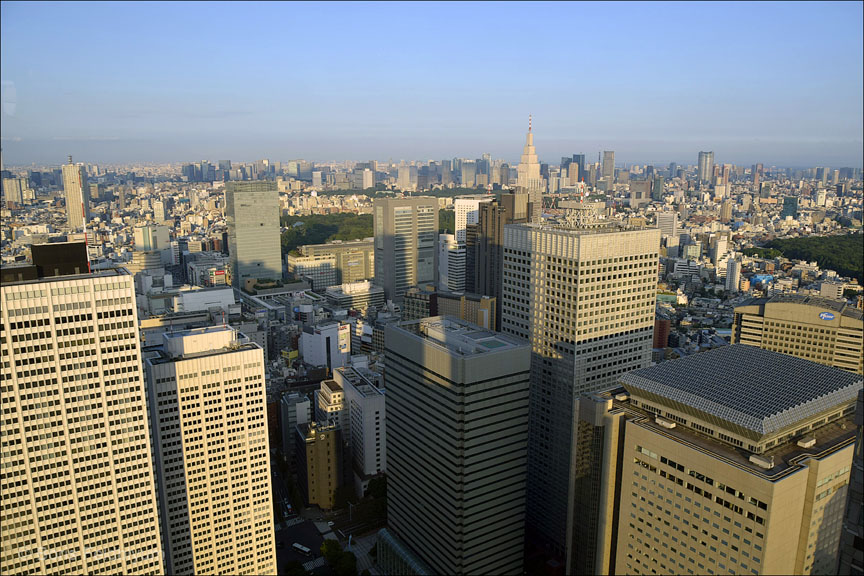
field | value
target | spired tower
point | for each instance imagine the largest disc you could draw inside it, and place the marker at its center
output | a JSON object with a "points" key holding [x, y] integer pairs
{"points": [[528, 180]]}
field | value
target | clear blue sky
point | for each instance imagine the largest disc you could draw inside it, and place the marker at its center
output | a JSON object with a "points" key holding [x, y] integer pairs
{"points": [[778, 83]]}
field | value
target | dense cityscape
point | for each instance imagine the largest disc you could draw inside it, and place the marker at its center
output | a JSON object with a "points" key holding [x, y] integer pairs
{"points": [[507, 363]]}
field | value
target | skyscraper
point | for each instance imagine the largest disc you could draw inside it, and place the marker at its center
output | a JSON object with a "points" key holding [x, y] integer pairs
{"points": [[467, 211], [78, 490], [706, 167], [609, 166], [488, 256], [790, 207], [528, 180], [457, 419], [252, 214], [209, 425], [668, 223], [747, 451], [583, 293], [406, 234], [77, 192], [851, 549]]}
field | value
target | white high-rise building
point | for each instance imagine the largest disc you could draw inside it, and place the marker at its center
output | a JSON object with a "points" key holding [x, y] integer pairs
{"points": [[467, 212], [733, 275], [77, 487], [668, 224], [583, 293], [365, 410], [451, 263], [208, 408], [77, 192], [528, 178], [706, 167], [330, 406]]}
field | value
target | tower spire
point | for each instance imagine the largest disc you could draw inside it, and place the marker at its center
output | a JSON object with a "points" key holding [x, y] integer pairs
{"points": [[529, 122]]}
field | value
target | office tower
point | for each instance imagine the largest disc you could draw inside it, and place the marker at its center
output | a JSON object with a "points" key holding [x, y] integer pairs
{"points": [[673, 170], [608, 171], [407, 178], [451, 263], [468, 174], [826, 331], [658, 188], [319, 270], [457, 419], [583, 294], [78, 492], [733, 275], [355, 260], [356, 296], [77, 193], [851, 549], [726, 210], [706, 167], [319, 463], [718, 245], [254, 245], [528, 180], [467, 212], [209, 424], [668, 223], [406, 234], [748, 455], [367, 433], [579, 159], [790, 207], [295, 409], [488, 255], [640, 193]]}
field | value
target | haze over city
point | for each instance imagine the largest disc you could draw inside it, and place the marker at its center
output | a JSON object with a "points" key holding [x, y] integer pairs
{"points": [[150, 82]]}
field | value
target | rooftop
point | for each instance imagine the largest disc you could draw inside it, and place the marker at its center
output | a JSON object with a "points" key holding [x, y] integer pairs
{"points": [[814, 301], [461, 337], [759, 390]]}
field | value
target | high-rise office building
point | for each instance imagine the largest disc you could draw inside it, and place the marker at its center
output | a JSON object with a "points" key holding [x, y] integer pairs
{"points": [[658, 188], [747, 453], [668, 223], [295, 409], [467, 212], [528, 178], [733, 275], [826, 331], [583, 293], [608, 172], [208, 409], [790, 207], [355, 260], [78, 491], [488, 254], [726, 210], [451, 263], [457, 419], [254, 245], [367, 428], [77, 192], [406, 236], [705, 167], [852, 538], [319, 462]]}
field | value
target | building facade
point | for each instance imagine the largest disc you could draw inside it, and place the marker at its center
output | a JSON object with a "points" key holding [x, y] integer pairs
{"points": [[209, 425], [583, 294], [457, 418], [826, 331], [528, 178], [406, 235], [319, 463], [77, 192], [78, 489], [252, 214], [749, 468], [355, 260]]}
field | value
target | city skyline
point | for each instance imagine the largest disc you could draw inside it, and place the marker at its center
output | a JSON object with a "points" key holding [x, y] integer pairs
{"points": [[727, 79]]}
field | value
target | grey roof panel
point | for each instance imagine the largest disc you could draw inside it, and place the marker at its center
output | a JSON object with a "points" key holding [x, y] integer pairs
{"points": [[757, 389]]}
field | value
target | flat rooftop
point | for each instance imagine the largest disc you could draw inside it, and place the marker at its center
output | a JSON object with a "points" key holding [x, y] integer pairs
{"points": [[840, 306], [756, 389], [102, 273], [787, 456], [461, 337]]}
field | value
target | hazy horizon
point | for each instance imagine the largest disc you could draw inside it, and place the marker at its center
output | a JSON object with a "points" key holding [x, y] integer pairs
{"points": [[777, 84]]}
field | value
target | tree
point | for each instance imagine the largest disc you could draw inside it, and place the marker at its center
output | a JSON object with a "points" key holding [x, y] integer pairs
{"points": [[346, 564], [342, 496], [377, 488], [446, 221], [331, 549], [294, 569]]}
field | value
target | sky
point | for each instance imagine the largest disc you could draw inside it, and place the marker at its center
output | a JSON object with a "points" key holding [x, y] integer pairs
{"points": [[777, 83]]}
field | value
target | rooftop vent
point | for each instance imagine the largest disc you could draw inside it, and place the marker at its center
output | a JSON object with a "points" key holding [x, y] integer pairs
{"points": [[665, 423], [807, 442], [762, 462]]}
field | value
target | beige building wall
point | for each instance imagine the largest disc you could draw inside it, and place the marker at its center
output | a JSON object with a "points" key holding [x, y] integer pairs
{"points": [[322, 464], [208, 403], [77, 483], [811, 328], [785, 525]]}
